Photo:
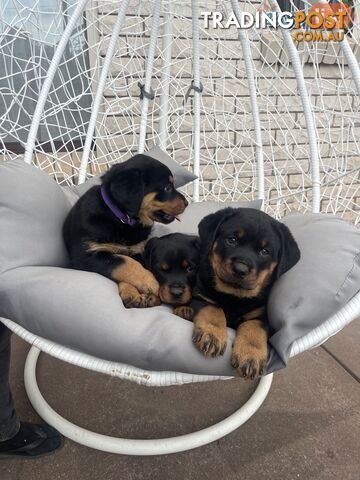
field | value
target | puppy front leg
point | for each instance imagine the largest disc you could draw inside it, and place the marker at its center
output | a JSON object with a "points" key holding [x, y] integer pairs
{"points": [[138, 287], [250, 349], [131, 271], [209, 334]]}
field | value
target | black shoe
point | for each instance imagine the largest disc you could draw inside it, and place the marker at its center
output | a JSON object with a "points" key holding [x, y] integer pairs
{"points": [[32, 441]]}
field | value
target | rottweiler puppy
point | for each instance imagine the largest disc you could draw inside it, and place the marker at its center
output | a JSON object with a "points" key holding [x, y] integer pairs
{"points": [[107, 229], [243, 251], [174, 261]]}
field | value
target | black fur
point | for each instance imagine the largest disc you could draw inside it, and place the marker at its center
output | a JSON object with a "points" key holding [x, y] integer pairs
{"points": [[173, 259], [221, 228], [90, 219]]}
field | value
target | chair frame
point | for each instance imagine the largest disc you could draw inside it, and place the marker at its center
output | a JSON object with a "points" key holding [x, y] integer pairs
{"points": [[143, 377], [157, 379]]}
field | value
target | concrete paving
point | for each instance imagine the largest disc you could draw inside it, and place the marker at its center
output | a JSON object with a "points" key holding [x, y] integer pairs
{"points": [[308, 427], [345, 348]]}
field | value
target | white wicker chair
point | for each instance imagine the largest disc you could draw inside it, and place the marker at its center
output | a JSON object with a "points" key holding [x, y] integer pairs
{"points": [[332, 181]]}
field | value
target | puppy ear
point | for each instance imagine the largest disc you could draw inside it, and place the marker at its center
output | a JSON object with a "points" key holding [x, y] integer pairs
{"points": [[148, 252], [208, 227], [125, 185], [209, 224], [196, 243], [289, 252]]}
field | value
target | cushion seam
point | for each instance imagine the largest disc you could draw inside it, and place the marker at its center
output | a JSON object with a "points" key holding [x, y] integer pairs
{"points": [[349, 273]]}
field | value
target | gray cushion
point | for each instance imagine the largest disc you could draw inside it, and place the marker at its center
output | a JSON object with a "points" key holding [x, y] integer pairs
{"points": [[192, 216], [321, 283], [32, 211], [182, 175], [83, 311]]}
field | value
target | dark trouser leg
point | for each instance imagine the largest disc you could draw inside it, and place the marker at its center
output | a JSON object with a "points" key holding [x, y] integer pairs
{"points": [[9, 423]]}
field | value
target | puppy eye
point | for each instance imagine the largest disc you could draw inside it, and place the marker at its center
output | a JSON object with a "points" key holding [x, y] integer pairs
{"points": [[231, 240], [189, 268], [264, 252], [168, 187]]}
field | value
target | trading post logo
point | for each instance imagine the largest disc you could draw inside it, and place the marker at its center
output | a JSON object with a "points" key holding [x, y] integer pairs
{"points": [[321, 22]]}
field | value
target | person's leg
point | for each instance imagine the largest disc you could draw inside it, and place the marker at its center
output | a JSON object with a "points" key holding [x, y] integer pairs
{"points": [[9, 423], [20, 439]]}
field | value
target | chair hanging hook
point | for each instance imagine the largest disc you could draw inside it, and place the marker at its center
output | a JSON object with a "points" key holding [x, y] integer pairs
{"points": [[144, 94], [195, 88]]}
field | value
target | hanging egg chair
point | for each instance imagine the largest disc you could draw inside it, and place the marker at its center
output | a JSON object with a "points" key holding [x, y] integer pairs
{"points": [[255, 116]]}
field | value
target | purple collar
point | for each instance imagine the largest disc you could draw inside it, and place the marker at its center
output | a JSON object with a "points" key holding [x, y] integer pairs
{"points": [[123, 217]]}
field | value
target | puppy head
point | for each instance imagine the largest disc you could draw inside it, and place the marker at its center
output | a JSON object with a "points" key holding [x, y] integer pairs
{"points": [[173, 259], [247, 249], [143, 188]]}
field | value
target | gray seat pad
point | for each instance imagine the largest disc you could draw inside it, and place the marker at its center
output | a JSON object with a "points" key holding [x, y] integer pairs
{"points": [[83, 310]]}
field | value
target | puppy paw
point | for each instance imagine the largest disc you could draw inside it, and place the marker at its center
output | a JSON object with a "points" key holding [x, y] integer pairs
{"points": [[148, 284], [132, 298], [250, 349], [211, 341], [184, 312], [152, 300], [250, 362]]}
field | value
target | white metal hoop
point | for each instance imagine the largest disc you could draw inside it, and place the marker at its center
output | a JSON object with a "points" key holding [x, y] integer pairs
{"points": [[148, 74], [248, 60], [125, 446], [254, 71], [308, 113], [30, 144], [100, 91]]}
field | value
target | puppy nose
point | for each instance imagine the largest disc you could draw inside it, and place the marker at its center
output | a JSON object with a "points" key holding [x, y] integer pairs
{"points": [[186, 203], [240, 269], [177, 290]]}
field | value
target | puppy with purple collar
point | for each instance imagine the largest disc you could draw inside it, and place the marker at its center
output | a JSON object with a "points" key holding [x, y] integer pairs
{"points": [[107, 228]]}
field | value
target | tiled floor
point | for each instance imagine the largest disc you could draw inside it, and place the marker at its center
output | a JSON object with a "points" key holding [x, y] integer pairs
{"points": [[308, 427]]}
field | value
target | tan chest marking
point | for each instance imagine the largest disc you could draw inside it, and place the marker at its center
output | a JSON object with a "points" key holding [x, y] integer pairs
{"points": [[206, 298], [254, 314]]}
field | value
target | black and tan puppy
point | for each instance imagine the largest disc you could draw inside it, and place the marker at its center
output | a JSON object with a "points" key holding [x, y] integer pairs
{"points": [[174, 261], [106, 230], [243, 252]]}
